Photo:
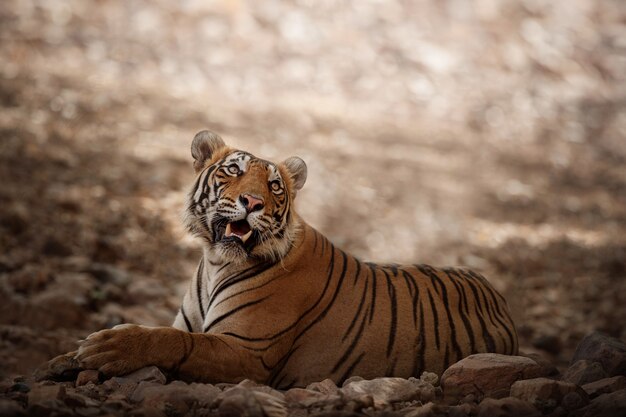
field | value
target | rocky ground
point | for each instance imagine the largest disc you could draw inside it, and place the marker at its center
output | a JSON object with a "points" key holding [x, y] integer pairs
{"points": [[481, 385], [490, 136]]}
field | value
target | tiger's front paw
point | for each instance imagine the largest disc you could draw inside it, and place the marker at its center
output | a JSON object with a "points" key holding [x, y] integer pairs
{"points": [[116, 351]]}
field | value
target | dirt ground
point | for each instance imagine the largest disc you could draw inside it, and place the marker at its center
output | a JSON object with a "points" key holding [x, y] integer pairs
{"points": [[484, 133]]}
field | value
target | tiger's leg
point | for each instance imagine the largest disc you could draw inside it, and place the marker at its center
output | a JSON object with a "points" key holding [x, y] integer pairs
{"points": [[191, 356]]}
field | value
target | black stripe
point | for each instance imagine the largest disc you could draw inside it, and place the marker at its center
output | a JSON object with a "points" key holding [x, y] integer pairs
{"points": [[488, 308], [315, 241], [499, 312], [199, 277], [466, 323], [350, 369], [489, 342], [187, 323], [421, 345], [435, 316], [392, 367], [251, 272], [413, 292], [358, 271], [350, 349], [233, 311], [358, 311], [391, 290], [453, 337], [333, 299], [297, 321], [373, 303]]}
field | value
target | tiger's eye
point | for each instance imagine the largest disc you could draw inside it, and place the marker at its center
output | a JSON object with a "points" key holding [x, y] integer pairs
{"points": [[233, 169], [275, 186]]}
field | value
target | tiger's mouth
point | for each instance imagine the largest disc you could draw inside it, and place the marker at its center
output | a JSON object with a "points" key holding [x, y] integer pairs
{"points": [[239, 229]]}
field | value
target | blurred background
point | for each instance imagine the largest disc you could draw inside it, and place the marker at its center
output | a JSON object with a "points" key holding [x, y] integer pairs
{"points": [[484, 133]]}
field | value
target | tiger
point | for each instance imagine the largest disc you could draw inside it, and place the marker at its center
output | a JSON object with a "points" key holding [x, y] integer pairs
{"points": [[276, 302]]}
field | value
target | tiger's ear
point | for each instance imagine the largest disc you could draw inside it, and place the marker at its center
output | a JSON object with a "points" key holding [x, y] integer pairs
{"points": [[204, 145], [297, 171]]}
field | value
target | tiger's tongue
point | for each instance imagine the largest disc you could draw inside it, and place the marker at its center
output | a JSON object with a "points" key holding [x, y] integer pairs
{"points": [[239, 228]]}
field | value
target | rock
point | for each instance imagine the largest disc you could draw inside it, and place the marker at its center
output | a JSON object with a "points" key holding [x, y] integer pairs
{"points": [[237, 402], [88, 376], [546, 394], [390, 390], [430, 378], [462, 410], [256, 387], [573, 401], [148, 374], [46, 393], [61, 368], [506, 407], [487, 375], [426, 410], [605, 386], [352, 379], [175, 396], [73, 400], [272, 405], [583, 372], [305, 397], [608, 351], [11, 408], [606, 405], [326, 386]]}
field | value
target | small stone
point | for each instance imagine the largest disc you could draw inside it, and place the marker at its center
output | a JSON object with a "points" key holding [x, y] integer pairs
{"points": [[148, 374], [239, 402], [462, 410], [608, 351], [326, 386], [583, 372], [506, 407], [73, 399], [390, 390], [43, 393], [430, 378], [545, 394], [427, 410], [352, 379], [303, 396], [88, 376], [176, 396], [605, 386], [487, 375]]}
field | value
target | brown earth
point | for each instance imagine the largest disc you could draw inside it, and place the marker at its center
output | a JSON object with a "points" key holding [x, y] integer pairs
{"points": [[491, 136]]}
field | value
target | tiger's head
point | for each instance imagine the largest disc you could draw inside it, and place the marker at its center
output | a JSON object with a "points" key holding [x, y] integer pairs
{"points": [[241, 205]]}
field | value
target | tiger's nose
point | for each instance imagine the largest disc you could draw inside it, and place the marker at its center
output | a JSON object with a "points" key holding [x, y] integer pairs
{"points": [[251, 203]]}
